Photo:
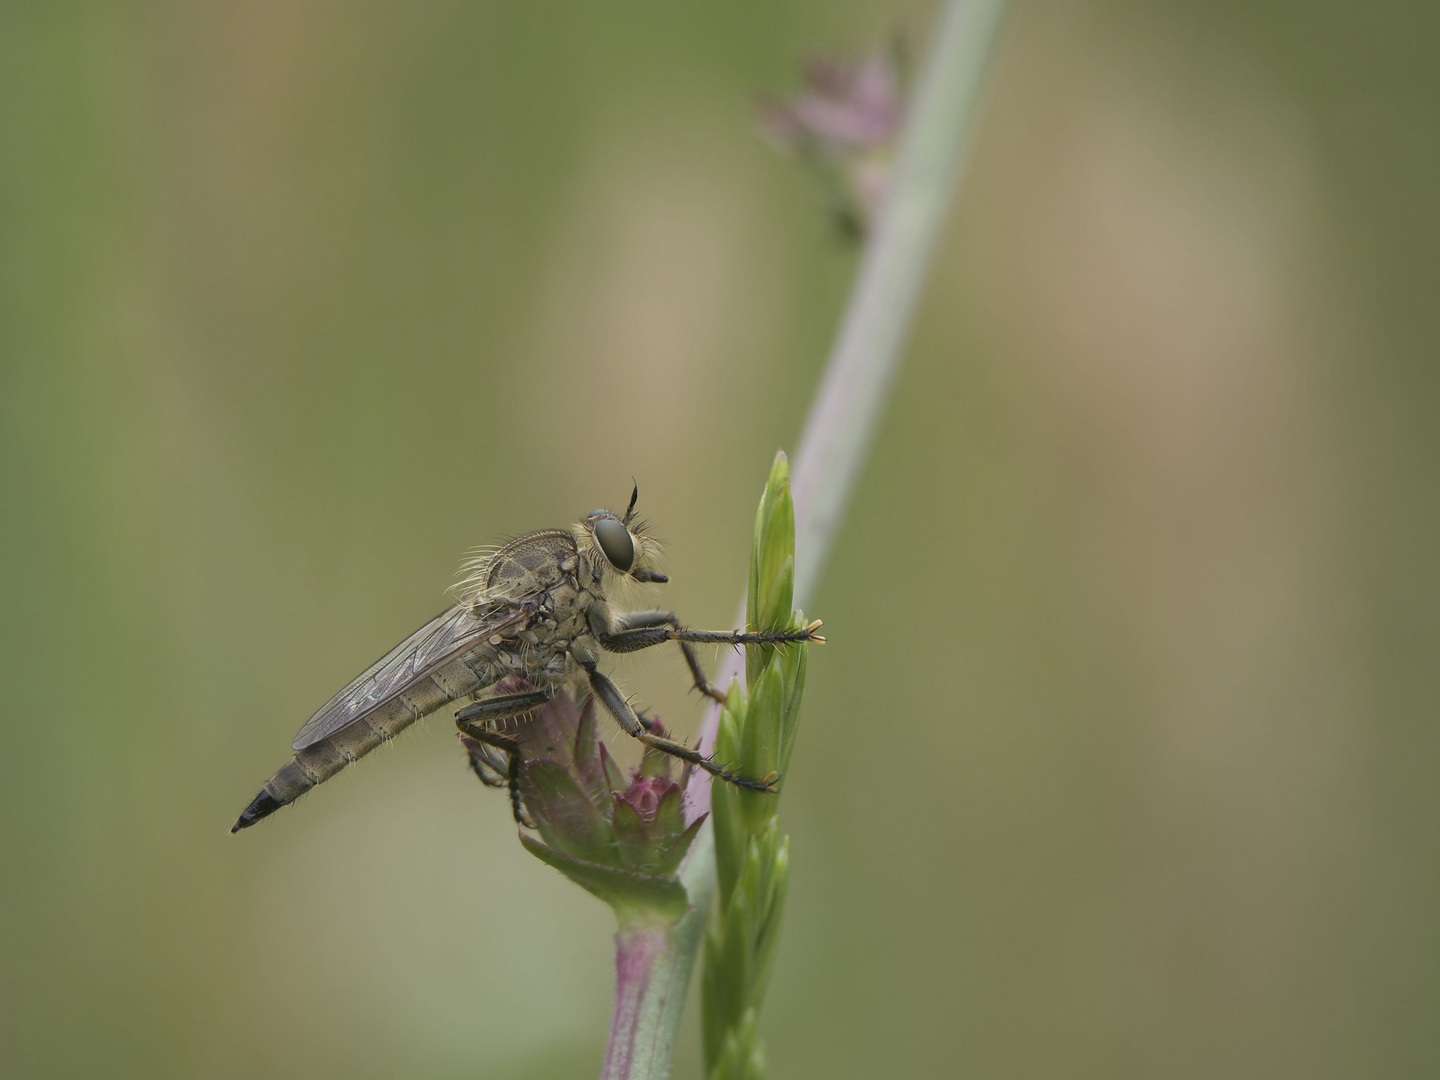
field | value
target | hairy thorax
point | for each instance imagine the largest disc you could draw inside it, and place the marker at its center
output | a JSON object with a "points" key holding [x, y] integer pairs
{"points": [[547, 577]]}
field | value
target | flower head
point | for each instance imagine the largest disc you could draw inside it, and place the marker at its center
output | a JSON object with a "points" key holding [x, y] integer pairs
{"points": [[623, 838]]}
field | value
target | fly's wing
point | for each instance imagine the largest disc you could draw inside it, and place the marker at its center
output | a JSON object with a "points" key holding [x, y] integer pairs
{"points": [[427, 650]]}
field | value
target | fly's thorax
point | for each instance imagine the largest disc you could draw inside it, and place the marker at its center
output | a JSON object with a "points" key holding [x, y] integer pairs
{"points": [[541, 664], [556, 613], [557, 616], [540, 649], [530, 565]]}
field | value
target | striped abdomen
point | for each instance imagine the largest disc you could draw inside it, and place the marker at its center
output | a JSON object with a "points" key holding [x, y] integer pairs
{"points": [[316, 763]]}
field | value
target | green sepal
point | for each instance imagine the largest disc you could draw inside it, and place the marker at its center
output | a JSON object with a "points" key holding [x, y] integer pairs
{"points": [[669, 820], [588, 758], [614, 775], [676, 855], [655, 763], [568, 819], [647, 845], [633, 895], [632, 836]]}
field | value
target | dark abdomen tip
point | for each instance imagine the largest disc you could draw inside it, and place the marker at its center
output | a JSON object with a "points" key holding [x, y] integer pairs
{"points": [[264, 805]]}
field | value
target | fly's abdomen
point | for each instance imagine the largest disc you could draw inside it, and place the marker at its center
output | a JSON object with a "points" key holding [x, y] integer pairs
{"points": [[318, 762]]}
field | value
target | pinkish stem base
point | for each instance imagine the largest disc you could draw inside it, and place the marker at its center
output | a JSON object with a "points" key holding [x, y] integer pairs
{"points": [[650, 983]]}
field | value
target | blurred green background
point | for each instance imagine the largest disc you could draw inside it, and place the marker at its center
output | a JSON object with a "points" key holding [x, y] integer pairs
{"points": [[1122, 759]]}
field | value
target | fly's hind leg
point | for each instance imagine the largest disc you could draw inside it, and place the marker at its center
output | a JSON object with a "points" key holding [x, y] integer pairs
{"points": [[507, 771], [501, 707], [489, 765], [615, 704], [478, 720]]}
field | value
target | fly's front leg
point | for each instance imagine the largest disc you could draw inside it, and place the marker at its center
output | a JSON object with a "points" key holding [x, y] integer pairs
{"points": [[642, 637], [478, 720], [615, 704]]}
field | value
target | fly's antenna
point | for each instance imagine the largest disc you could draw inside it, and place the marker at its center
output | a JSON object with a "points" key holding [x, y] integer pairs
{"points": [[630, 510]]}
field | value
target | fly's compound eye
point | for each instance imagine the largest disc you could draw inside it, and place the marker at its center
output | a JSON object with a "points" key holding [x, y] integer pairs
{"points": [[615, 541]]}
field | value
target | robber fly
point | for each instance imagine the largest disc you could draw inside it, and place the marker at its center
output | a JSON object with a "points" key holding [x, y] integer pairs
{"points": [[536, 608]]}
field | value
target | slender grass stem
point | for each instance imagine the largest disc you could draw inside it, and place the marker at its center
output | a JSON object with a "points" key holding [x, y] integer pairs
{"points": [[840, 429], [869, 346]]}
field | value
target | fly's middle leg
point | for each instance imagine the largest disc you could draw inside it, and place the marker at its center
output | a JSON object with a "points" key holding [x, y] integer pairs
{"points": [[510, 772], [615, 704], [650, 620]]}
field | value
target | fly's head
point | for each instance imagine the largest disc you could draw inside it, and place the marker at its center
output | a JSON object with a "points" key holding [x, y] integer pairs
{"points": [[619, 547]]}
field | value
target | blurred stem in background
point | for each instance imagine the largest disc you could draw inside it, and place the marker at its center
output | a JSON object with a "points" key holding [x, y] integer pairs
{"points": [[837, 438]]}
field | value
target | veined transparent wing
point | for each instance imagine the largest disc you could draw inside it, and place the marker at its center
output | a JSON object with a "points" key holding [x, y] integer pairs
{"points": [[427, 650]]}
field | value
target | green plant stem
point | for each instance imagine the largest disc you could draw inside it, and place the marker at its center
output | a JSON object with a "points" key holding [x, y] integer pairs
{"points": [[848, 406], [652, 971]]}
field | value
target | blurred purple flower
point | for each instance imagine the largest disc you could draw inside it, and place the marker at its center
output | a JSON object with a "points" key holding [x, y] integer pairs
{"points": [[850, 104], [844, 124]]}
